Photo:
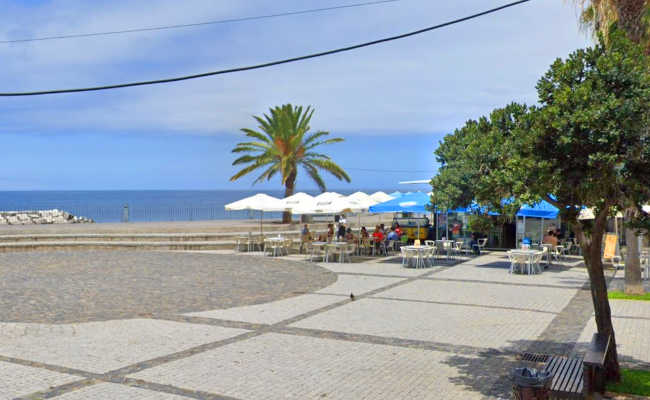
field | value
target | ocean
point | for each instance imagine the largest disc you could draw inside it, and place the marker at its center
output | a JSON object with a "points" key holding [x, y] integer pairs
{"points": [[142, 205]]}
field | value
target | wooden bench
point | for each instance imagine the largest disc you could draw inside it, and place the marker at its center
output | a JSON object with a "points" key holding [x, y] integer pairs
{"points": [[578, 378]]}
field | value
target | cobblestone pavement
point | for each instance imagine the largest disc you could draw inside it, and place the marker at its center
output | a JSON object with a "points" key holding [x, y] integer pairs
{"points": [[77, 286], [447, 332]]}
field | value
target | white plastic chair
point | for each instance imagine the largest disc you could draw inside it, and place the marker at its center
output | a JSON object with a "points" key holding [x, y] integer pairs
{"points": [[517, 260]]}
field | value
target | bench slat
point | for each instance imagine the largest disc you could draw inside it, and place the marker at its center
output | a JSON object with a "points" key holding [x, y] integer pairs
{"points": [[569, 368], [571, 374], [597, 351], [576, 386], [557, 374], [567, 376]]}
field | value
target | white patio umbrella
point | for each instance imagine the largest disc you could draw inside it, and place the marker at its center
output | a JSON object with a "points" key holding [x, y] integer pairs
{"points": [[363, 198], [295, 200], [328, 196], [329, 206], [260, 202], [380, 197]]}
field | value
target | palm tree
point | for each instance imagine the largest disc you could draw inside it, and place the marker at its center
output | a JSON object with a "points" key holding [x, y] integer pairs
{"points": [[633, 17], [281, 145]]}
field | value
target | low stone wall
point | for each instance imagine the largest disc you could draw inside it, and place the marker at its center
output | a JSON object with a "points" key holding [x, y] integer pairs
{"points": [[37, 217]]}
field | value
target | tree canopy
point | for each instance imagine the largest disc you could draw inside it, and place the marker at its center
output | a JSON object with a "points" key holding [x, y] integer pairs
{"points": [[585, 144]]}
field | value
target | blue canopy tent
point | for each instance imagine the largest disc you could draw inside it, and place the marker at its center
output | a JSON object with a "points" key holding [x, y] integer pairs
{"points": [[412, 202], [543, 210]]}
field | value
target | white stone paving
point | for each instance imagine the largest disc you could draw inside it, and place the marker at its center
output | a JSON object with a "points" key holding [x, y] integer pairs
{"points": [[488, 294], [104, 346], [494, 268], [357, 284], [275, 366], [632, 332], [280, 366], [19, 380], [114, 391], [377, 268], [273, 312], [457, 325]]}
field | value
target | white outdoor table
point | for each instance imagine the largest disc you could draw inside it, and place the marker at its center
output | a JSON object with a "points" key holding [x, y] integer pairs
{"points": [[445, 245], [530, 255], [314, 245], [274, 240], [339, 247], [421, 251]]}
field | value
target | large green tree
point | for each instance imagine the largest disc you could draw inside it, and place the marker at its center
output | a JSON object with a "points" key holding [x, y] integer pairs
{"points": [[632, 17], [283, 143], [585, 144]]}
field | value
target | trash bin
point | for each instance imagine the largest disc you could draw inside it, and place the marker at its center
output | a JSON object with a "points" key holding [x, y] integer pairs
{"points": [[531, 384]]}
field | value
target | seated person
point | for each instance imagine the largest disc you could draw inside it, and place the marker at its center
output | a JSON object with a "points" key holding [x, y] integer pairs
{"points": [[392, 235], [550, 238], [322, 237], [378, 235], [473, 244], [364, 233], [305, 234], [398, 230], [330, 232], [349, 236]]}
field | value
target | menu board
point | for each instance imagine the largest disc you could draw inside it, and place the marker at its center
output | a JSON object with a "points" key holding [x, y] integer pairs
{"points": [[610, 246]]}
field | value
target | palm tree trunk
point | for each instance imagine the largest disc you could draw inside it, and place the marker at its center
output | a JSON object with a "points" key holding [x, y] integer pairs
{"points": [[633, 282], [592, 253], [288, 191]]}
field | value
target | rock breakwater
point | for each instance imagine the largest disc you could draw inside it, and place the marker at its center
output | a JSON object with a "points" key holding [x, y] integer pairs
{"points": [[37, 217]]}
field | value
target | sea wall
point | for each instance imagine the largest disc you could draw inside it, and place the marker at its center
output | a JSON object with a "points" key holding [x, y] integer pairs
{"points": [[37, 217]]}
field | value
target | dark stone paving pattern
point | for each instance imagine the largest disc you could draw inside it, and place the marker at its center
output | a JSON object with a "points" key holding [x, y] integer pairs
{"points": [[79, 286]]}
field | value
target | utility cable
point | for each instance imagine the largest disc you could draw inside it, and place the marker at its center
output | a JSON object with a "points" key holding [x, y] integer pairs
{"points": [[265, 65], [179, 26]]}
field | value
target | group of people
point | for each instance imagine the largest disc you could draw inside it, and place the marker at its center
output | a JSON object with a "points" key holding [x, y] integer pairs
{"points": [[343, 233]]}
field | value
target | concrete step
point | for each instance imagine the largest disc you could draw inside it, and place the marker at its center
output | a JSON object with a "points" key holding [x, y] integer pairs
{"points": [[137, 237], [115, 245]]}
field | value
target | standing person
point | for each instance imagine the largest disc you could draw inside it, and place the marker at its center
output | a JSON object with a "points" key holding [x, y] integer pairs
{"points": [[364, 233], [341, 232]]}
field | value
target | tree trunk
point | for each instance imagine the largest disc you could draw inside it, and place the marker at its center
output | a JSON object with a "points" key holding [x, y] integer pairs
{"points": [[592, 253], [288, 191], [633, 282]]}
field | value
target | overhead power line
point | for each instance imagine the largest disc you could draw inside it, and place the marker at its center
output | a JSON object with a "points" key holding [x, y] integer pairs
{"points": [[179, 26], [264, 65]]}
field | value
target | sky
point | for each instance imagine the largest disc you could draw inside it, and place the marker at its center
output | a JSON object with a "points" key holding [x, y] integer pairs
{"points": [[392, 102]]}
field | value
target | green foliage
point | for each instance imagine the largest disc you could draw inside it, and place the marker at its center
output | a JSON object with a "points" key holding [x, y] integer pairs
{"points": [[472, 163], [282, 144], [632, 382], [587, 143], [622, 296], [480, 223]]}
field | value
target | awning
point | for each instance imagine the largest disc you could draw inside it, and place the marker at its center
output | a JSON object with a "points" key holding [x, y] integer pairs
{"points": [[543, 209], [414, 202]]}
